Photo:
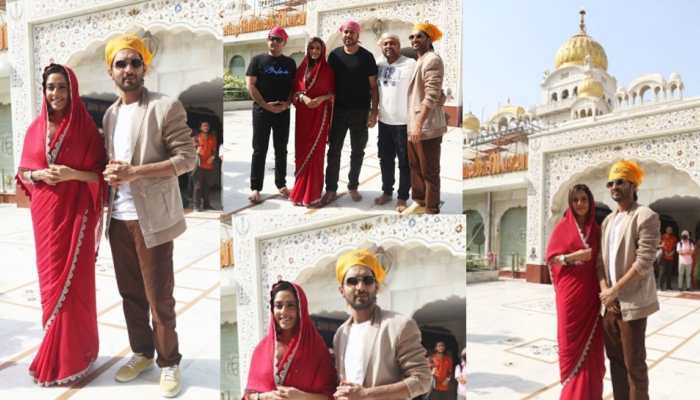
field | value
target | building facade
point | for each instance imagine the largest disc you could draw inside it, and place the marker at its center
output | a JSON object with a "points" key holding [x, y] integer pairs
{"points": [[584, 123]]}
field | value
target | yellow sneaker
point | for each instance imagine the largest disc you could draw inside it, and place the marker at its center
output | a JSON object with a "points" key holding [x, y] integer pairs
{"points": [[133, 368], [170, 381]]}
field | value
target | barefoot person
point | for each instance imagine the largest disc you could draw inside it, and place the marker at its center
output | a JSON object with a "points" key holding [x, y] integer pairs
{"points": [[270, 78], [356, 108], [148, 145], [395, 73]]}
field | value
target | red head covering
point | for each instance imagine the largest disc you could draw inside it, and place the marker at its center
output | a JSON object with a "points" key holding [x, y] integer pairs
{"points": [[350, 25], [310, 366], [279, 32], [77, 142]]}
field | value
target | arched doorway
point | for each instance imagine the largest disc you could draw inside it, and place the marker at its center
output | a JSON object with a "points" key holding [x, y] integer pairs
{"points": [[512, 238]]}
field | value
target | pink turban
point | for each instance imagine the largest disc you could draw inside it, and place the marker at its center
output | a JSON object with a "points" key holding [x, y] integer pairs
{"points": [[350, 25], [279, 32]]}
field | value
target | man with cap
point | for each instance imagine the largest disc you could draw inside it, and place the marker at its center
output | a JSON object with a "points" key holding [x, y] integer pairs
{"points": [[270, 79], [395, 73], [378, 353], [685, 249], [426, 118], [148, 145], [356, 109], [630, 235]]}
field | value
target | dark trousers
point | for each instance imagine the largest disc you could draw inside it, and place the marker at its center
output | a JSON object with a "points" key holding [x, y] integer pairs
{"points": [[356, 121], [624, 345], [665, 274], [263, 122], [145, 279], [392, 144], [201, 188], [424, 161]]}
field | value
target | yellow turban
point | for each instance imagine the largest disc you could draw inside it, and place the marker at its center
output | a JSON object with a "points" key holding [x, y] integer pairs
{"points": [[362, 257], [627, 170], [128, 41], [431, 30]]}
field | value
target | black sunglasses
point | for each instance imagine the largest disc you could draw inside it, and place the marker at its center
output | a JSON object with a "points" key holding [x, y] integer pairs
{"points": [[354, 281], [136, 63], [413, 36], [618, 182], [275, 39]]}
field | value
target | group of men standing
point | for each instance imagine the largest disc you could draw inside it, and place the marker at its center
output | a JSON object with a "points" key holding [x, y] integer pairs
{"points": [[402, 94], [669, 247]]}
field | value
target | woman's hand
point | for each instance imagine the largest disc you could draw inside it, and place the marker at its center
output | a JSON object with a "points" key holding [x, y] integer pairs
{"points": [[62, 172], [45, 175], [291, 393], [580, 255]]}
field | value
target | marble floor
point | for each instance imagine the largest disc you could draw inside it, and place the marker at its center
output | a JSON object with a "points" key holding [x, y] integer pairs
{"points": [[512, 348], [236, 173], [196, 259]]}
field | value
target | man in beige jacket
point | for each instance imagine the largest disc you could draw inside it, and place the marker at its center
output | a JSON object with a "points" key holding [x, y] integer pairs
{"points": [[148, 145], [426, 118], [628, 289], [378, 353]]}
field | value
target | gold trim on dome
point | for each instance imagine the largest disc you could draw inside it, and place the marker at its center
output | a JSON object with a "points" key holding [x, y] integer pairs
{"points": [[575, 50], [590, 88]]}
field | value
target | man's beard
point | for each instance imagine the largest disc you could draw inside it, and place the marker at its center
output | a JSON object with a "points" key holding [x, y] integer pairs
{"points": [[135, 85], [371, 300]]}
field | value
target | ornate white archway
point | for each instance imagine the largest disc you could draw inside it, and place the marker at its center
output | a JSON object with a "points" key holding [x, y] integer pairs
{"points": [[41, 32], [267, 249]]}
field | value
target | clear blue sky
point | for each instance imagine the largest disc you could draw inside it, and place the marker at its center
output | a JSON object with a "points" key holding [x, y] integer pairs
{"points": [[509, 43]]}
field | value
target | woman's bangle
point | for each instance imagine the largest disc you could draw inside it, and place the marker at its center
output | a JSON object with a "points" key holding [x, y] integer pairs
{"points": [[562, 260]]}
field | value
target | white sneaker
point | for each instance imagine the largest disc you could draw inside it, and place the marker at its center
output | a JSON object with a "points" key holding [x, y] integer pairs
{"points": [[170, 381], [133, 368]]}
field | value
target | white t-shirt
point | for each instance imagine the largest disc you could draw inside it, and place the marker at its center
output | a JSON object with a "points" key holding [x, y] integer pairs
{"points": [[124, 208], [615, 232], [685, 260], [393, 81], [354, 353]]}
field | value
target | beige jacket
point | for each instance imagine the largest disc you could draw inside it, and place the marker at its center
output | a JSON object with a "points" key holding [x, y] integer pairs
{"points": [[426, 89], [394, 352], [637, 249], [159, 132]]}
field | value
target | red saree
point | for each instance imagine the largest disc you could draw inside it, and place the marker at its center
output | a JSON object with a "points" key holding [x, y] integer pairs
{"points": [[307, 364], [579, 325], [311, 129], [65, 218]]}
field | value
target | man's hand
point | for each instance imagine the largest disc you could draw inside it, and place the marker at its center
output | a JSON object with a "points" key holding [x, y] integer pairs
{"points": [[608, 296], [372, 118], [275, 106], [414, 134], [119, 172], [349, 391]]}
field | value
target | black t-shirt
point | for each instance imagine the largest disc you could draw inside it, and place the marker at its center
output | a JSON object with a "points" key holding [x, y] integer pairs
{"points": [[351, 77], [275, 76]]}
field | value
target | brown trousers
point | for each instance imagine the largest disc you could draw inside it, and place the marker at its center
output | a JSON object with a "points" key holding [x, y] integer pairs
{"points": [[624, 345], [145, 278], [424, 161]]}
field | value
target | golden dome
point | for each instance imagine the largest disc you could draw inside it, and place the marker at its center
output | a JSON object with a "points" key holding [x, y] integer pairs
{"points": [[590, 88], [575, 50], [471, 122]]}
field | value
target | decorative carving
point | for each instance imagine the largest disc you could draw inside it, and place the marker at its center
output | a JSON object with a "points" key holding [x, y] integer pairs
{"points": [[263, 257]]}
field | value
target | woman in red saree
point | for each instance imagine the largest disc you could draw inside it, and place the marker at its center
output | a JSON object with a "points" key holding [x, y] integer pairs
{"points": [[314, 86], [572, 253], [292, 361], [62, 159]]}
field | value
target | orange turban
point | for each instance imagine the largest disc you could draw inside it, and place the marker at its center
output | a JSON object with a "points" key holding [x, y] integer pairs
{"points": [[128, 41], [431, 30], [627, 170], [361, 257]]}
